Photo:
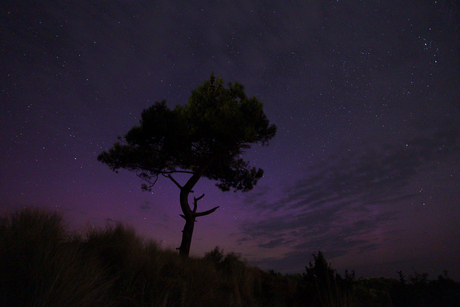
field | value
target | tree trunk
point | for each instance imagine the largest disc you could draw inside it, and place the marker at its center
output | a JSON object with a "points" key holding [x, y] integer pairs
{"points": [[189, 214], [184, 248]]}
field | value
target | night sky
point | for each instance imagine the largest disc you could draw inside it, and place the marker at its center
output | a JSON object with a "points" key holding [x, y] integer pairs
{"points": [[365, 165]]}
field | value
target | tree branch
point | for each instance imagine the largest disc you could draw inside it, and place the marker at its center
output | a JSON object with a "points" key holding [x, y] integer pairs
{"points": [[243, 146], [173, 180], [205, 212], [195, 202], [172, 172], [150, 185]]}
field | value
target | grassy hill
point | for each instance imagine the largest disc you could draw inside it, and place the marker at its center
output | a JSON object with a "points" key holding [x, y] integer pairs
{"points": [[41, 264]]}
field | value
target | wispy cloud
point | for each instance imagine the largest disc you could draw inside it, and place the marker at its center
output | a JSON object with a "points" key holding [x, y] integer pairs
{"points": [[345, 202]]}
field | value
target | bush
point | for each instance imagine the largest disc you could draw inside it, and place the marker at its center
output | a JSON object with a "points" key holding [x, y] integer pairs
{"points": [[41, 264], [325, 286]]}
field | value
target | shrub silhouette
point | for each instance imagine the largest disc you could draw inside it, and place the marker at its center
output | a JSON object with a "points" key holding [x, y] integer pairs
{"points": [[216, 256], [325, 286], [41, 264]]}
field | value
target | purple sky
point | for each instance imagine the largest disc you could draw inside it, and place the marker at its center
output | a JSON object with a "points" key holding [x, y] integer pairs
{"points": [[366, 162]]}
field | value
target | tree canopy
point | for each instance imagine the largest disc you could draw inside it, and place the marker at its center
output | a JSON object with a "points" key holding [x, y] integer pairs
{"points": [[204, 138]]}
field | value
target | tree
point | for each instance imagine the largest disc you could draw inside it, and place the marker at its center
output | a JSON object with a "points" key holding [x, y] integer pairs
{"points": [[331, 288], [204, 138]]}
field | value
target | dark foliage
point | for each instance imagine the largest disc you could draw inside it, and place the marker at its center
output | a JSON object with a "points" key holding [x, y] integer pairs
{"points": [[325, 287], [41, 264], [207, 135]]}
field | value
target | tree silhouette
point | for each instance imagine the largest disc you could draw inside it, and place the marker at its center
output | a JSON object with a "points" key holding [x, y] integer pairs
{"points": [[204, 138]]}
